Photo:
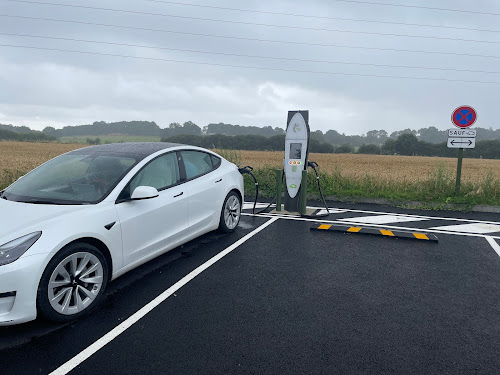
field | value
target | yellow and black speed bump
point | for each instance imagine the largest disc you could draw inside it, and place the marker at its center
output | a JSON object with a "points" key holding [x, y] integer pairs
{"points": [[382, 232]]}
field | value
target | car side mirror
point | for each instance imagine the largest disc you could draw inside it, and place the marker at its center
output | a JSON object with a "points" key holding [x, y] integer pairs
{"points": [[144, 192]]}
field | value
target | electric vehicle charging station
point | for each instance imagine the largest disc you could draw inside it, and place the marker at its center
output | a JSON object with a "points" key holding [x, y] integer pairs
{"points": [[294, 171], [296, 157]]}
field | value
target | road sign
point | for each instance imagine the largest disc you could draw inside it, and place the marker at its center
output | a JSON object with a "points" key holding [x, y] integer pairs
{"points": [[464, 116], [461, 142], [466, 133]]}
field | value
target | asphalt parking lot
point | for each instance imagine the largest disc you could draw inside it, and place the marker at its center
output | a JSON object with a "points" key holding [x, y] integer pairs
{"points": [[284, 299]]}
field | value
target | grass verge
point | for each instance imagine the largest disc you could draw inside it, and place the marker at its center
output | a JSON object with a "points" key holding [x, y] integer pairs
{"points": [[437, 190]]}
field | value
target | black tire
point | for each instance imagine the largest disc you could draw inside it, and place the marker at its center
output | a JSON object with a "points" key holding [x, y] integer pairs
{"points": [[80, 291], [231, 207]]}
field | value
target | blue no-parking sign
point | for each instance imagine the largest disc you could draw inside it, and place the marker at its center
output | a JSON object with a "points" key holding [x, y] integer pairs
{"points": [[464, 116]]}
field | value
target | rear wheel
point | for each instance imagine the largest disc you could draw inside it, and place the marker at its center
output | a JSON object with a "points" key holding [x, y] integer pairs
{"points": [[73, 283], [231, 213]]}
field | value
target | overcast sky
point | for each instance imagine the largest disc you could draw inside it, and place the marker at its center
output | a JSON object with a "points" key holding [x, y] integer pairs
{"points": [[41, 88]]}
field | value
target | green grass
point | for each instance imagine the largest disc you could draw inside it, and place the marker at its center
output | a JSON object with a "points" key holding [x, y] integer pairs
{"points": [[110, 138], [437, 190]]}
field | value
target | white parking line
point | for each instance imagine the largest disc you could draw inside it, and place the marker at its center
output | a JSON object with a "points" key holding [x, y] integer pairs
{"points": [[493, 244], [341, 210], [383, 219], [471, 228], [408, 229], [118, 330]]}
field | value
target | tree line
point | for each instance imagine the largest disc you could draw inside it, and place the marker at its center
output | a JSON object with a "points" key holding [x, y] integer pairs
{"points": [[244, 142], [31, 136], [409, 144], [426, 141], [146, 128], [405, 144]]}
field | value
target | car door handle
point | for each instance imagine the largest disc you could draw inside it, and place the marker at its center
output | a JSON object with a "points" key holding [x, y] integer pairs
{"points": [[178, 195], [219, 180]]}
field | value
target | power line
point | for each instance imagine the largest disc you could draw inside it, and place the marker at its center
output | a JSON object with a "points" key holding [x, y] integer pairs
{"points": [[248, 67], [260, 24], [248, 56], [419, 7], [251, 39], [322, 17]]}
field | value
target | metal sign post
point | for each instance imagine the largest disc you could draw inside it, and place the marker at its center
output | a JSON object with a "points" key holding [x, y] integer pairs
{"points": [[462, 117], [459, 170]]}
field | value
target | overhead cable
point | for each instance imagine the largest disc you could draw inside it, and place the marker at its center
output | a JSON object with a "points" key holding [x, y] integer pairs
{"points": [[262, 24], [321, 17], [250, 67], [419, 7], [248, 56], [294, 42]]}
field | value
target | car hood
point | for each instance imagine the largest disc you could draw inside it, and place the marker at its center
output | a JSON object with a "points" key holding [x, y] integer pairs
{"points": [[18, 217]]}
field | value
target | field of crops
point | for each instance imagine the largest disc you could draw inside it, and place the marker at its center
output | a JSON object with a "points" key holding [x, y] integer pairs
{"points": [[17, 158], [393, 167], [429, 179]]}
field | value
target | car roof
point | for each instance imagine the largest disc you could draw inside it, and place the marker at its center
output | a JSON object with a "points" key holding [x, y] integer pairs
{"points": [[137, 150]]}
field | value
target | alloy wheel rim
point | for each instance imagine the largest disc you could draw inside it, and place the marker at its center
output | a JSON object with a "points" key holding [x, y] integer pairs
{"points": [[75, 283], [232, 212]]}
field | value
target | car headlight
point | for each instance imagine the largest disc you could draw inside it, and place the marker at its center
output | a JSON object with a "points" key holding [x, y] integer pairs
{"points": [[12, 250]]}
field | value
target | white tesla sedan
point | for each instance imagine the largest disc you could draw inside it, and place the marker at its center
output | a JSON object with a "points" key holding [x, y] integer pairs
{"points": [[90, 215]]}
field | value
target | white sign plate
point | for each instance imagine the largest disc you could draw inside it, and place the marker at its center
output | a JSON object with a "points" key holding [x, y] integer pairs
{"points": [[461, 142], [466, 133]]}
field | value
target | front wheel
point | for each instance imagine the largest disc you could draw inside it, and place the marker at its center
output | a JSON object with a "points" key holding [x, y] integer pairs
{"points": [[231, 213], [73, 283]]}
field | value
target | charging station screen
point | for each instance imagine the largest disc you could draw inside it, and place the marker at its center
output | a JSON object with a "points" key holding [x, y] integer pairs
{"points": [[295, 150]]}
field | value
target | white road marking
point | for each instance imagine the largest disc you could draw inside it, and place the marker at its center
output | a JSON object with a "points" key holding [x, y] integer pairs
{"points": [[408, 229], [470, 228], [493, 244], [383, 219], [426, 217], [340, 210], [249, 205], [118, 330]]}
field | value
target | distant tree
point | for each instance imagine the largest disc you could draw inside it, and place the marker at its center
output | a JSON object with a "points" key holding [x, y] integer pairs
{"points": [[407, 144], [376, 136], [49, 130], [369, 149], [320, 147], [190, 128], [396, 134], [8, 135], [432, 135], [318, 135], [335, 138], [276, 142], [346, 148], [389, 147]]}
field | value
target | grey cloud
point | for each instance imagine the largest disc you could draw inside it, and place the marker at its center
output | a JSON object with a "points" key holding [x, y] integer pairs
{"points": [[47, 87]]}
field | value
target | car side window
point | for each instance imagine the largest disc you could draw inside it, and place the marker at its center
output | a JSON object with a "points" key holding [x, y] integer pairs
{"points": [[161, 173], [196, 163], [215, 161]]}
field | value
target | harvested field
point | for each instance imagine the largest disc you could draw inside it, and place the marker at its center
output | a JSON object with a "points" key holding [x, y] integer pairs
{"points": [[18, 158], [428, 179], [387, 167], [25, 156]]}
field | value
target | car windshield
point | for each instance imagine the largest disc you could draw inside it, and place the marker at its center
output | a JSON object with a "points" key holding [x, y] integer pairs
{"points": [[71, 179]]}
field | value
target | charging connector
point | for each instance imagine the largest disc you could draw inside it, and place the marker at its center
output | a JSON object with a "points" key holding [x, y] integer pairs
{"points": [[248, 170]]}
